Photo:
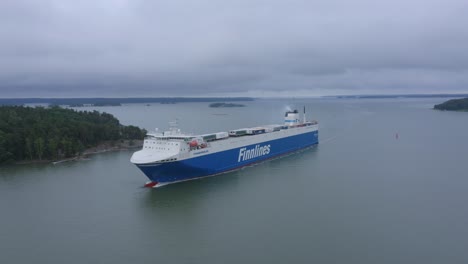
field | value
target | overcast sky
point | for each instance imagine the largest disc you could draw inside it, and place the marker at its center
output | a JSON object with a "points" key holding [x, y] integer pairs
{"points": [[117, 48]]}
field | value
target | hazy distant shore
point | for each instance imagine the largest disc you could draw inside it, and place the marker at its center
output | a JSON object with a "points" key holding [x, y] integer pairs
{"points": [[395, 96], [117, 101]]}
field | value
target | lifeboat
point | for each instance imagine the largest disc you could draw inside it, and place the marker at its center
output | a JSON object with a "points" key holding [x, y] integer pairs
{"points": [[193, 143]]}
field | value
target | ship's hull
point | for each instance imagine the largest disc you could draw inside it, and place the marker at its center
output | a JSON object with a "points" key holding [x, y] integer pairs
{"points": [[227, 160]]}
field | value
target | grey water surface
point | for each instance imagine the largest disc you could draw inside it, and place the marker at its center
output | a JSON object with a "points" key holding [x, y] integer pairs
{"points": [[387, 184]]}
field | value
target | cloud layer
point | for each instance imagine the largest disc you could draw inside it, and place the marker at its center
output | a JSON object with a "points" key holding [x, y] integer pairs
{"points": [[243, 47]]}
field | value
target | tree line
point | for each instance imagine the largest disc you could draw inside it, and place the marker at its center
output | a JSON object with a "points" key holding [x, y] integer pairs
{"points": [[39, 133]]}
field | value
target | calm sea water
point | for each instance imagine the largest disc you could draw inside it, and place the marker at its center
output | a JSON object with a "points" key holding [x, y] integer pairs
{"points": [[361, 196]]}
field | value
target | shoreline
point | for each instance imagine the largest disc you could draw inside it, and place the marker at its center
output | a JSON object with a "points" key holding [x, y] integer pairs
{"points": [[101, 148], [455, 110]]}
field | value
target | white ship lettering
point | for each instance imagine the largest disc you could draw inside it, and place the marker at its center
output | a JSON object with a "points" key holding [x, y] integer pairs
{"points": [[246, 154]]}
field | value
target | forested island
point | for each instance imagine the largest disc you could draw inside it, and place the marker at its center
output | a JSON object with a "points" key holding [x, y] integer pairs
{"points": [[453, 105], [47, 134], [226, 105]]}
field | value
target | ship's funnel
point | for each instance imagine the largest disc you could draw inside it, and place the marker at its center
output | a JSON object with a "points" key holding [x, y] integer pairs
{"points": [[291, 118]]}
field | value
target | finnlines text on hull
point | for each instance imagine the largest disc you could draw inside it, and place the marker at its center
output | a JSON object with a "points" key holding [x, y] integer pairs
{"points": [[246, 154]]}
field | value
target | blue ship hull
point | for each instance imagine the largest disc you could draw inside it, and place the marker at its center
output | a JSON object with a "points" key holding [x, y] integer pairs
{"points": [[219, 162]]}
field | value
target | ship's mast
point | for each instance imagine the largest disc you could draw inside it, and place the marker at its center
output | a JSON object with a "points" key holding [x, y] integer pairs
{"points": [[173, 130], [304, 116]]}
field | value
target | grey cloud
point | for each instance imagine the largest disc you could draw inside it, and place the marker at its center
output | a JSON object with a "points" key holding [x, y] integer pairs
{"points": [[151, 48]]}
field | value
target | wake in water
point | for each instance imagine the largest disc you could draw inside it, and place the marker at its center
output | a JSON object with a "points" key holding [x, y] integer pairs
{"points": [[328, 140]]}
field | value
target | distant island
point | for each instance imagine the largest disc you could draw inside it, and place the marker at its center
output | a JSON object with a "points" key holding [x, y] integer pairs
{"points": [[226, 105], [41, 134], [453, 105], [96, 104], [394, 96]]}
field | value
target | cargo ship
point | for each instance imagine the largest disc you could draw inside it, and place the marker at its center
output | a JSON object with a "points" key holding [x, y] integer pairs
{"points": [[172, 156]]}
